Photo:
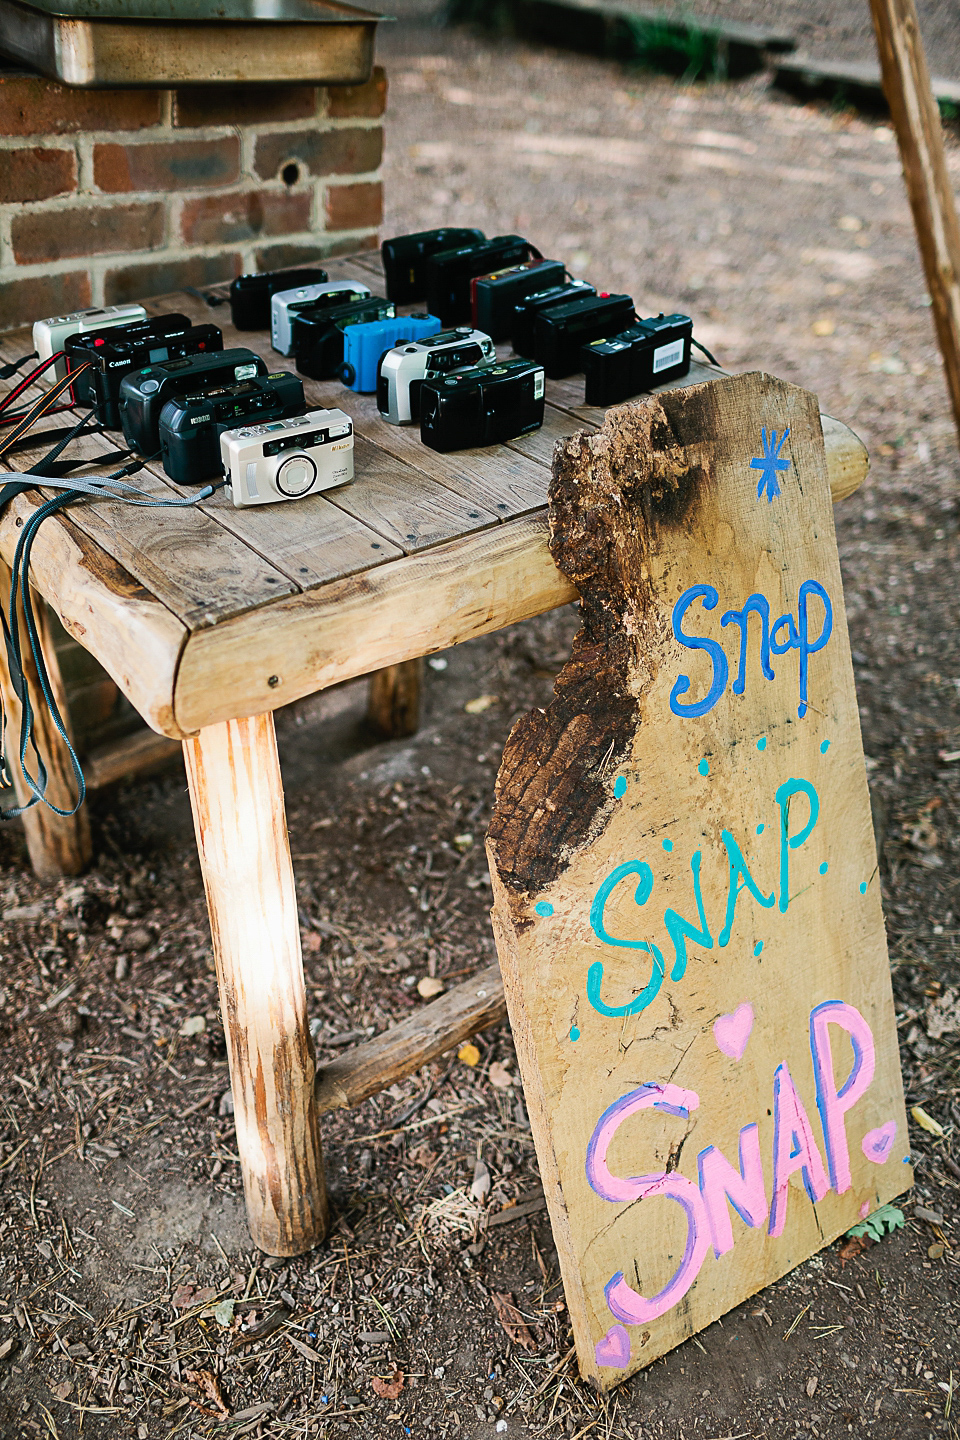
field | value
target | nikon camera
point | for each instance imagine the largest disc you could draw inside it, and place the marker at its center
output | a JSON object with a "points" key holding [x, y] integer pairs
{"points": [[404, 260], [191, 425], [288, 459], [114, 353], [318, 334], [649, 353], [250, 295], [143, 393], [483, 406], [287, 304], [402, 370]]}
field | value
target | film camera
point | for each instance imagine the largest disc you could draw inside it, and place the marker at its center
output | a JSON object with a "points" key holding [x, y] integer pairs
{"points": [[191, 424], [114, 353], [525, 311], [561, 331], [50, 335], [448, 273], [288, 459], [318, 334], [287, 304], [402, 370], [143, 393], [494, 297], [483, 406], [363, 346], [403, 260], [250, 295], [649, 353]]}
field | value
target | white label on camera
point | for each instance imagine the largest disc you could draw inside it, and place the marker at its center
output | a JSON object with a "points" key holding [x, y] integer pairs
{"points": [[245, 372], [538, 385], [666, 356], [252, 490]]}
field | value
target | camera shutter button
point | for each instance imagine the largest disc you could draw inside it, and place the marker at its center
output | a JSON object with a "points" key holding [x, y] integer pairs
{"points": [[150, 387]]}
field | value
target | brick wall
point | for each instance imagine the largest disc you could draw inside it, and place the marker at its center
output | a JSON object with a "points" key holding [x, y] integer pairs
{"points": [[112, 195]]}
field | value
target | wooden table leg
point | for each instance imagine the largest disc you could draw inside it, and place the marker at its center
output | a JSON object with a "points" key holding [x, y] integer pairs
{"points": [[394, 706], [57, 845], [237, 798]]}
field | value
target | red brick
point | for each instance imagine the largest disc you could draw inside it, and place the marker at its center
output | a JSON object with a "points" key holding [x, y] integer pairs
{"points": [[31, 105], [321, 152], [354, 207], [167, 165], [23, 301], [43, 235], [161, 277], [350, 102], [34, 173], [227, 219], [244, 104]]}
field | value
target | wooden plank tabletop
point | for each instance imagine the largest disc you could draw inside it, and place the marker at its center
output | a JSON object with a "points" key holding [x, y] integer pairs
{"points": [[213, 613]]}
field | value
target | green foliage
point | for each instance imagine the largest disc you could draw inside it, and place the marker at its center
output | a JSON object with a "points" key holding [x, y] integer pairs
{"points": [[948, 110], [882, 1222], [682, 49]]}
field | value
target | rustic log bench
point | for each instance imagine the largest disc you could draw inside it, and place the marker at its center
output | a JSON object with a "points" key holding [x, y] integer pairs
{"points": [[209, 619]]}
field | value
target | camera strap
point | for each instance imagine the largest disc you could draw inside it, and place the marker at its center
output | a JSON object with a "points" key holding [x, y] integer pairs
{"points": [[7, 370], [703, 349]]}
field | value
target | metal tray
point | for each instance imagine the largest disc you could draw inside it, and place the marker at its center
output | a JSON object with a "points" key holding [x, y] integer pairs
{"points": [[105, 44]]}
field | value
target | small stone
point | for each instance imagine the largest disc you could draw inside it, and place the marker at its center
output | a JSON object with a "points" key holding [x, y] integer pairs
{"points": [[122, 968], [226, 1104], [935, 1252], [366, 1163], [139, 938], [811, 1385], [70, 1022], [429, 987]]}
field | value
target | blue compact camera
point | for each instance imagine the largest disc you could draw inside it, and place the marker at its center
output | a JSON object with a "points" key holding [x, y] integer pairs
{"points": [[364, 344]]}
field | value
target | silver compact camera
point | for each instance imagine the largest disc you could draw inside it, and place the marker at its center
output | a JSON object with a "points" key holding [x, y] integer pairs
{"points": [[402, 370], [286, 303], [288, 459], [50, 335]]}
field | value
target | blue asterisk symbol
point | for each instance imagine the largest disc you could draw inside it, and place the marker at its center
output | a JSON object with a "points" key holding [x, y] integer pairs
{"points": [[770, 463]]}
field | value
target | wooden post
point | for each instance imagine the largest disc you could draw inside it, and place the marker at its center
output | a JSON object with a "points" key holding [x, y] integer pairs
{"points": [[394, 707], [57, 845], [916, 118], [237, 798]]}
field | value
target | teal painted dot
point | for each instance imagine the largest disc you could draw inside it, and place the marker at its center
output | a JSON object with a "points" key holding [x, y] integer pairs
{"points": [[619, 787], [758, 947], [668, 846], [863, 887], [906, 1159], [543, 907], [574, 1033], [824, 746], [824, 867], [760, 829], [704, 767], [762, 743]]}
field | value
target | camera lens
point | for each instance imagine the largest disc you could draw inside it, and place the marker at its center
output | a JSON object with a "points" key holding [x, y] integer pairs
{"points": [[296, 475]]}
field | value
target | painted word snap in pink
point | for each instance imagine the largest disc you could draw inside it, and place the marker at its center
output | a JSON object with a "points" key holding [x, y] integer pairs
{"points": [[877, 1144], [613, 1351], [732, 1032]]}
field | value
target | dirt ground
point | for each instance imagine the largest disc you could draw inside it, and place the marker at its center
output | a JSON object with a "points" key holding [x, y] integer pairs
{"points": [[131, 1300]]}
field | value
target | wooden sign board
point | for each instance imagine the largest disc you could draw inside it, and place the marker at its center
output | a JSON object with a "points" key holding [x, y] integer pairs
{"points": [[686, 896]]}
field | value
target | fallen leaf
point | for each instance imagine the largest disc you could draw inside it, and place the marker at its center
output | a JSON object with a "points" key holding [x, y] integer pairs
{"points": [[223, 1313], [943, 1015], [499, 1076], [389, 1388], [469, 1054], [926, 1122], [512, 1321], [182, 1297], [208, 1383], [312, 942], [429, 987], [481, 703], [854, 1246], [195, 1025]]}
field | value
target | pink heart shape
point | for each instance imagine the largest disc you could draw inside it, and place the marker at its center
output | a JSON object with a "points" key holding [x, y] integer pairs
{"points": [[613, 1351], [732, 1032], [877, 1144]]}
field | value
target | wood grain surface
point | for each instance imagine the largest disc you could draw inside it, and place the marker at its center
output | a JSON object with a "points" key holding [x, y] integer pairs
{"points": [[686, 896]]}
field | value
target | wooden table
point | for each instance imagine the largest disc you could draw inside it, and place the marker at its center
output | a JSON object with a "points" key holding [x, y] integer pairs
{"points": [[210, 619]]}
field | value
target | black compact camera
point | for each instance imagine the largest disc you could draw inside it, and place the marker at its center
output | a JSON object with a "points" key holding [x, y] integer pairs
{"points": [[649, 353], [117, 351], [449, 273], [143, 393], [318, 334], [525, 311], [191, 424], [561, 331], [403, 260], [483, 406], [493, 297], [250, 295]]}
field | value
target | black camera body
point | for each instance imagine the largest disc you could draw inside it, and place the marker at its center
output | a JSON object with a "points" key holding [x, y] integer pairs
{"points": [[483, 406], [318, 334], [403, 260], [449, 273], [561, 331], [250, 295], [191, 424], [525, 311], [114, 353], [493, 297], [652, 352], [143, 393]]}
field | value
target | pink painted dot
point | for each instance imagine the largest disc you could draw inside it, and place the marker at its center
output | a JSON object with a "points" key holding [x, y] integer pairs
{"points": [[864, 1209]]}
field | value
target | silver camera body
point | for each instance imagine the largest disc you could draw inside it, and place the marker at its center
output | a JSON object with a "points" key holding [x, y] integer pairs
{"points": [[288, 459], [285, 304], [50, 335], [403, 369]]}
